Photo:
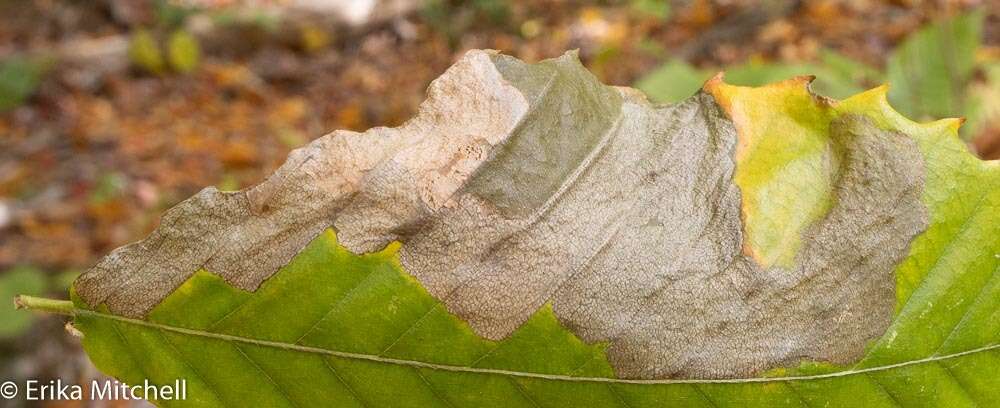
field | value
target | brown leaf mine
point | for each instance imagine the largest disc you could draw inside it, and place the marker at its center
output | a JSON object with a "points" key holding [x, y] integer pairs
{"points": [[518, 185]]}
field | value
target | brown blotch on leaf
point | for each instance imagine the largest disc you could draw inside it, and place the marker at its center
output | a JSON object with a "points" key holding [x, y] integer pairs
{"points": [[518, 185]]}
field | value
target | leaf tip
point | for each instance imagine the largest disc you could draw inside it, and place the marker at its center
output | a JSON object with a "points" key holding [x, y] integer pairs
{"points": [[804, 79], [713, 83], [882, 90], [950, 125]]}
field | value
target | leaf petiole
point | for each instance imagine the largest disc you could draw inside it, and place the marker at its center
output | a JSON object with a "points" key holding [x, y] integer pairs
{"points": [[63, 307]]}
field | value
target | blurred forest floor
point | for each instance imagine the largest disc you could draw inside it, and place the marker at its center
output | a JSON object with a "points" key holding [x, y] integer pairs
{"points": [[112, 111]]}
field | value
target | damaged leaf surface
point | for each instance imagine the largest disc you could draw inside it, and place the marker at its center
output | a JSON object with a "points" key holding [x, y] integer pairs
{"points": [[534, 236]]}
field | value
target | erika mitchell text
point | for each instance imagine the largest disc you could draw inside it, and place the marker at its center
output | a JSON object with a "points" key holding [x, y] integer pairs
{"points": [[104, 390]]}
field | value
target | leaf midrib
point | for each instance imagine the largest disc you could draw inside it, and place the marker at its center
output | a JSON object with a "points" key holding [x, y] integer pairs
{"points": [[554, 377]]}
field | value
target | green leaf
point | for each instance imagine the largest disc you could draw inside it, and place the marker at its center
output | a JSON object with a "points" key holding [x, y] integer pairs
{"points": [[535, 238], [846, 69], [366, 334], [183, 51], [672, 82], [19, 280], [400, 319], [930, 72]]}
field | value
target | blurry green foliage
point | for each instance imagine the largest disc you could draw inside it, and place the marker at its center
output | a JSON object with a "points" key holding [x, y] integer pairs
{"points": [[652, 48], [172, 13], [19, 77], [847, 69], [229, 182], [261, 19], [605, 59], [930, 74], [144, 52], [291, 137], [109, 186], [655, 8], [836, 76], [497, 11], [832, 80], [436, 14], [63, 280], [183, 51], [672, 81], [20, 280], [453, 18]]}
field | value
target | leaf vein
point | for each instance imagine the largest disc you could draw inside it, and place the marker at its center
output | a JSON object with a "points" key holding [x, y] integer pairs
{"points": [[968, 310], [281, 391], [937, 261], [431, 387], [704, 395], [555, 377], [326, 362], [961, 386], [170, 344], [618, 397], [410, 328], [884, 390], [524, 392], [337, 304]]}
